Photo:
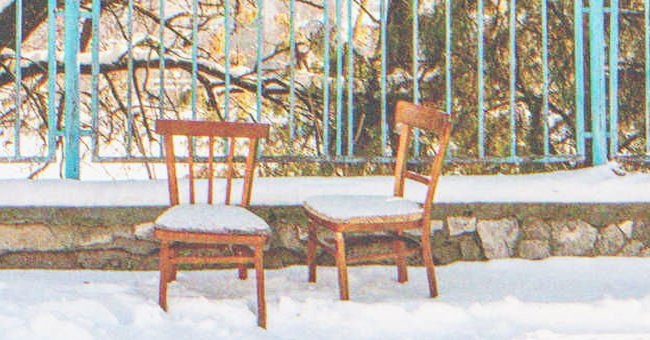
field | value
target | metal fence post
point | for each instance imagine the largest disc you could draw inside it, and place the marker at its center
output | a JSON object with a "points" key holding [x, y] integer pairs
{"points": [[71, 89], [597, 89]]}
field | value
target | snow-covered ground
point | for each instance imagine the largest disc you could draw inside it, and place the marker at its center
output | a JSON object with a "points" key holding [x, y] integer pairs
{"points": [[590, 185], [560, 298]]}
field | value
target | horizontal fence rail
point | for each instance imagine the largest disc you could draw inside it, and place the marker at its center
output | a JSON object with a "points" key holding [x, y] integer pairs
{"points": [[519, 77]]}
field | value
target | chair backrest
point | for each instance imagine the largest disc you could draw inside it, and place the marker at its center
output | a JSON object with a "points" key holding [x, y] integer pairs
{"points": [[191, 129], [427, 118]]}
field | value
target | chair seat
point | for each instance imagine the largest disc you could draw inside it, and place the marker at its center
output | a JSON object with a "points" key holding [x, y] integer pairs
{"points": [[213, 219], [363, 209]]}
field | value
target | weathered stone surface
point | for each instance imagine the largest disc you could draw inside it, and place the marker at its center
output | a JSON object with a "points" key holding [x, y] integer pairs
{"points": [[444, 249], [286, 236], [572, 238], [641, 232], [645, 252], [632, 248], [498, 237], [32, 237], [626, 227], [610, 241], [461, 224], [535, 229], [470, 247], [534, 249], [143, 231]]}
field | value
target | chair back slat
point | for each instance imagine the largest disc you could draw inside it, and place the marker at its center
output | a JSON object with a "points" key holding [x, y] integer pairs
{"points": [[232, 131], [427, 118], [230, 169], [210, 169]]}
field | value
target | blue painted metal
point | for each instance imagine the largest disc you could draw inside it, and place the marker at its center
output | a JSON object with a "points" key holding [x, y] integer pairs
{"points": [[94, 80], [512, 21], [72, 130], [384, 45], [326, 77], [19, 76], [613, 77], [448, 51], [129, 84], [580, 77], [350, 82], [260, 51], [51, 80], [416, 66], [481, 90], [545, 75], [597, 81], [195, 65], [339, 80], [292, 65], [226, 52]]}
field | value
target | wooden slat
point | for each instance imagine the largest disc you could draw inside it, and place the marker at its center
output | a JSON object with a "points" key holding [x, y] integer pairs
{"points": [[209, 238], [210, 169], [417, 177], [402, 156], [212, 259], [190, 148], [229, 168], [170, 161], [424, 116], [208, 128], [250, 172]]}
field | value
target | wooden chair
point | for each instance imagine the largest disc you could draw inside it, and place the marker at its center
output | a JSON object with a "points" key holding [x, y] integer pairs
{"points": [[207, 225], [392, 214]]}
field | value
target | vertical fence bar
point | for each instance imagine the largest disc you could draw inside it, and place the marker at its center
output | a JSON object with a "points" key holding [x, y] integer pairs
{"points": [[226, 52], [260, 51], [646, 25], [71, 89], [580, 77], [51, 80], [481, 113], [326, 76], [129, 86], [195, 56], [19, 76], [613, 78], [448, 51], [339, 81], [350, 81], [292, 65], [416, 67], [384, 126], [94, 80], [545, 76], [597, 81], [513, 79]]}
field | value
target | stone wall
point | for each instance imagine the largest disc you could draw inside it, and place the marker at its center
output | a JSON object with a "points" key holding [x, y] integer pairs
{"points": [[120, 238]]}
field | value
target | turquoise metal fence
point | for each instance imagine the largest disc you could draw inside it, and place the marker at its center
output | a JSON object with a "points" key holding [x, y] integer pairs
{"points": [[177, 46]]}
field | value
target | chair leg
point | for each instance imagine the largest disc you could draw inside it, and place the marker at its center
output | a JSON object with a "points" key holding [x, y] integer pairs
{"points": [[164, 274], [259, 275], [243, 272], [173, 268], [344, 293], [400, 259], [241, 268], [311, 252], [428, 261]]}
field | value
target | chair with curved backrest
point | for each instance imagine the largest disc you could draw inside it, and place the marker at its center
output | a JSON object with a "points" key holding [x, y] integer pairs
{"points": [[393, 214], [206, 225]]}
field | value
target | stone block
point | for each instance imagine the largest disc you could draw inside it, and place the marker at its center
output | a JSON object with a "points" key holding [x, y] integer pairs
{"points": [[535, 229], [461, 224], [610, 241], [498, 237], [572, 238], [632, 248], [534, 249]]}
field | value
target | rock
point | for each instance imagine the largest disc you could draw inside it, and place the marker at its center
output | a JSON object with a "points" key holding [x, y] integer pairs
{"points": [[286, 236], [641, 232], [32, 237], [498, 237], [535, 229], [534, 249], [627, 227], [143, 231], [572, 238], [435, 225], [645, 252], [633, 248], [610, 241], [444, 249], [460, 224], [470, 248]]}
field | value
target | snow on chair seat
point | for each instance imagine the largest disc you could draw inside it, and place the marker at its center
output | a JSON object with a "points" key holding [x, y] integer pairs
{"points": [[363, 209], [216, 219]]}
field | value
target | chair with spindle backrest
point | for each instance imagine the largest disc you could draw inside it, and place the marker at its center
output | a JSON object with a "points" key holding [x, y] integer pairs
{"points": [[343, 214], [200, 225]]}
